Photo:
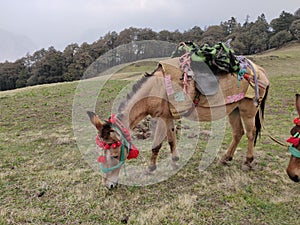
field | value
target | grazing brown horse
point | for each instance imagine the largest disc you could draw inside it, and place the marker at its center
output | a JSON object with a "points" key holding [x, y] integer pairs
{"points": [[149, 97], [293, 169]]}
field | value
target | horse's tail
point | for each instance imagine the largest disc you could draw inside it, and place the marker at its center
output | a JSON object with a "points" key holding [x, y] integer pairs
{"points": [[259, 117]]}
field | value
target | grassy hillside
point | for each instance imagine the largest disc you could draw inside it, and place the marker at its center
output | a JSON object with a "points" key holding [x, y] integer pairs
{"points": [[44, 179], [281, 62]]}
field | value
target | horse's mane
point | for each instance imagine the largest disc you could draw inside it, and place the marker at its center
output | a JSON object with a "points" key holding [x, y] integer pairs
{"points": [[135, 88]]}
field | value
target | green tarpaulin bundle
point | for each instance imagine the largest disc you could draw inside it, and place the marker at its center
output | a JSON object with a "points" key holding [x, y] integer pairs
{"points": [[218, 57]]}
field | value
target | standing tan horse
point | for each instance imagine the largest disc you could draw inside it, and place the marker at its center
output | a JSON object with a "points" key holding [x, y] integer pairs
{"points": [[293, 169], [149, 97]]}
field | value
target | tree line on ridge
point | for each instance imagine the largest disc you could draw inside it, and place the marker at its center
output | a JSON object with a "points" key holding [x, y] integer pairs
{"points": [[51, 65]]}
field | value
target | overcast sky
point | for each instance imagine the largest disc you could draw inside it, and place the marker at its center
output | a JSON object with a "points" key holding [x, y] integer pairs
{"points": [[61, 22]]}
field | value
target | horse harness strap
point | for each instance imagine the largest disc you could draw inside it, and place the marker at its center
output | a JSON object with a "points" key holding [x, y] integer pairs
{"points": [[294, 151], [122, 161]]}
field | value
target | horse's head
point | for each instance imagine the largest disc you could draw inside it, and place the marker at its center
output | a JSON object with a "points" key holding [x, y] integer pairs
{"points": [[293, 169], [114, 143]]}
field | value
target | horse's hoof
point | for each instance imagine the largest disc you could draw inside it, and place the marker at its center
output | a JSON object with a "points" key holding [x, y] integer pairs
{"points": [[152, 168], [248, 164], [175, 158], [249, 160], [225, 160]]}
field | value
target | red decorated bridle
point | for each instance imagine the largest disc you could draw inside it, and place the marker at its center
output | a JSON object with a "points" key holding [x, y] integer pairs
{"points": [[125, 143], [295, 139]]}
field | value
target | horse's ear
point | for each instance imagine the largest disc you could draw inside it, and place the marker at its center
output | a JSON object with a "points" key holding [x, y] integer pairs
{"points": [[298, 103], [95, 120]]}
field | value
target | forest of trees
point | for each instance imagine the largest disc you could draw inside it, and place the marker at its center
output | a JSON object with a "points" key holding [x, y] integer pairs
{"points": [[50, 66]]}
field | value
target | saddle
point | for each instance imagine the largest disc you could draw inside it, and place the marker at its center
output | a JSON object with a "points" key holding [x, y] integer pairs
{"points": [[208, 76], [204, 88]]}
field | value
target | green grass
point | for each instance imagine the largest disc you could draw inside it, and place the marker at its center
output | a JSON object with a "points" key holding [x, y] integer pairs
{"points": [[142, 66], [281, 62], [44, 179]]}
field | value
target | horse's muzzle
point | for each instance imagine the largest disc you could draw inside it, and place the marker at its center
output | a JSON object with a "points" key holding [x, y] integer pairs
{"points": [[293, 177], [111, 185]]}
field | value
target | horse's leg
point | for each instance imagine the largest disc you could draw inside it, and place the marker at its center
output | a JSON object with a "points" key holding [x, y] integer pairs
{"points": [[171, 136], [237, 133], [248, 111], [159, 136]]}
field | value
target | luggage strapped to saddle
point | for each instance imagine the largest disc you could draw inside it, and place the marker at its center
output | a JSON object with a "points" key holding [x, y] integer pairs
{"points": [[219, 58]]}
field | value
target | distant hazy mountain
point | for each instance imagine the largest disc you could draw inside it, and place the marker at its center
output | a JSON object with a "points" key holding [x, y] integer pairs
{"points": [[14, 46]]}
